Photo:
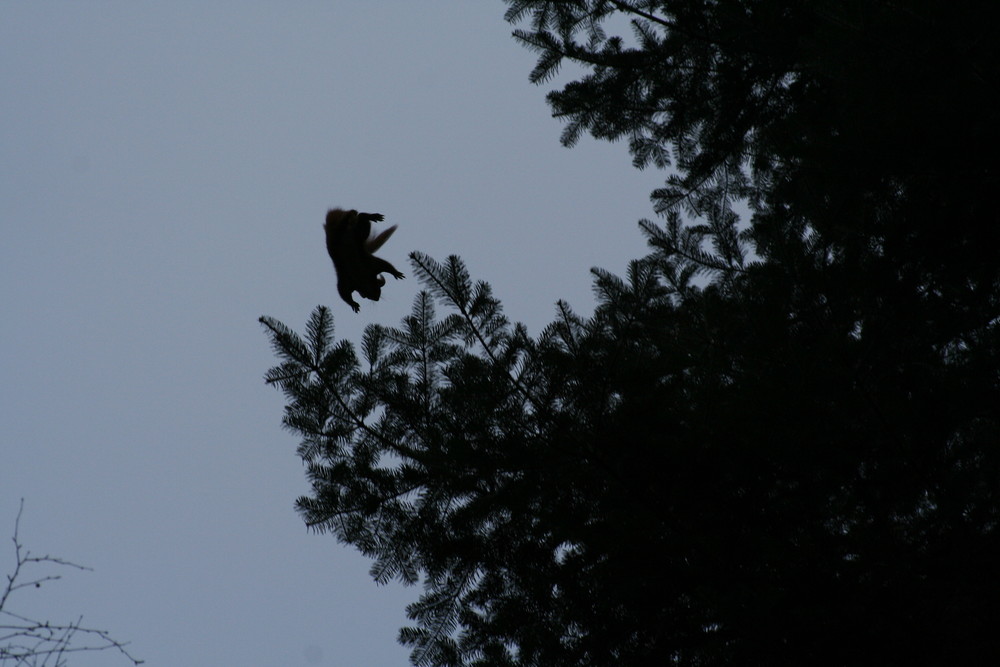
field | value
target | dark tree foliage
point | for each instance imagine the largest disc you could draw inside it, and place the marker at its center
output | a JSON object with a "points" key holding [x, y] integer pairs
{"points": [[777, 441]]}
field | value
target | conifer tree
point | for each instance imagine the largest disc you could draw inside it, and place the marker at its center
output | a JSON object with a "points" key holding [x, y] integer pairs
{"points": [[777, 440]]}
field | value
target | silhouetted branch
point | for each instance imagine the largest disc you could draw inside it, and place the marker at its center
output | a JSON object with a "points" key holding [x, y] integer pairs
{"points": [[28, 641]]}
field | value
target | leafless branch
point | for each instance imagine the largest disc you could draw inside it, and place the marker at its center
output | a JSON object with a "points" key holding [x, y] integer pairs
{"points": [[31, 642]]}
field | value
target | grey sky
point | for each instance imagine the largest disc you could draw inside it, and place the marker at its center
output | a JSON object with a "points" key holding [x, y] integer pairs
{"points": [[164, 172]]}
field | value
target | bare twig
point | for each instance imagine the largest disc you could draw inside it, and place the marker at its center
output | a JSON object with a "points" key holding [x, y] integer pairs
{"points": [[28, 641]]}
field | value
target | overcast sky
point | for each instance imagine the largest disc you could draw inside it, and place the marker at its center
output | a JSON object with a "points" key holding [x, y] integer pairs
{"points": [[164, 173]]}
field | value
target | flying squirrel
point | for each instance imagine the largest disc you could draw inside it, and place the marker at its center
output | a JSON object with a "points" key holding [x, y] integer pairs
{"points": [[350, 244]]}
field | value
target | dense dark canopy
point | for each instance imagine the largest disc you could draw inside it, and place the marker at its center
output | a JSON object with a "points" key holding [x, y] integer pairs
{"points": [[777, 440]]}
